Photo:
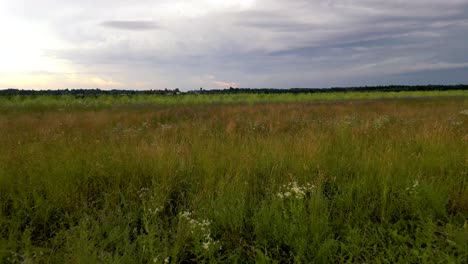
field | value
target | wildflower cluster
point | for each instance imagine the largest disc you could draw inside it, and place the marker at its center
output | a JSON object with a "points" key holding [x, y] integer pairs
{"points": [[413, 187], [143, 193], [156, 260], [381, 121], [293, 190], [201, 228], [457, 123], [151, 206], [154, 210], [23, 258]]}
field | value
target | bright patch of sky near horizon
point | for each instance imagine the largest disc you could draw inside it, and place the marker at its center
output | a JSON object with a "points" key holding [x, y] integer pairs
{"points": [[157, 44]]}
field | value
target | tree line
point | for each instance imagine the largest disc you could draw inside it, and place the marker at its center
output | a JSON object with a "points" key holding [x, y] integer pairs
{"points": [[231, 90], [388, 88]]}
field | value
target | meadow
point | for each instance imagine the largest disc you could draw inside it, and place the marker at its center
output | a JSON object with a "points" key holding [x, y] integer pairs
{"points": [[252, 178]]}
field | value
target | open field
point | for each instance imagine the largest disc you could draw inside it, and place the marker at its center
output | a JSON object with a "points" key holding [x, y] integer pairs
{"points": [[324, 178], [66, 102]]}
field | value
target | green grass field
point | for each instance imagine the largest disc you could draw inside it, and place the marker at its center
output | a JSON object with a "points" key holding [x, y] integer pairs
{"points": [[321, 178], [63, 103]]}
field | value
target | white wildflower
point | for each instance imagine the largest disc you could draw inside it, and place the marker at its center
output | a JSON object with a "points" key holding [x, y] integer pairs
{"points": [[154, 211], [413, 187], [142, 193], [205, 222], [186, 215], [201, 228], [457, 123], [206, 245], [294, 190]]}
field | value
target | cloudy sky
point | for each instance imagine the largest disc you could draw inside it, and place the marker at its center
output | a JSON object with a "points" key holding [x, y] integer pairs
{"points": [[157, 44]]}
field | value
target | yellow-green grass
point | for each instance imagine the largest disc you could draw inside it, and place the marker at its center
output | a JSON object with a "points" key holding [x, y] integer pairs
{"points": [[366, 181], [66, 102]]}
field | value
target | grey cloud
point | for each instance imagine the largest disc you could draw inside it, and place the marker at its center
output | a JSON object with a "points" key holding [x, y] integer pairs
{"points": [[278, 43], [279, 26], [130, 25]]}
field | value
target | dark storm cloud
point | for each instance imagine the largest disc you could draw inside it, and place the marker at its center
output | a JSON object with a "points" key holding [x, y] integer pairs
{"points": [[130, 25]]}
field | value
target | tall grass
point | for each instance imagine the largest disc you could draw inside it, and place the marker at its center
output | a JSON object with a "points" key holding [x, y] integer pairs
{"points": [[364, 181]]}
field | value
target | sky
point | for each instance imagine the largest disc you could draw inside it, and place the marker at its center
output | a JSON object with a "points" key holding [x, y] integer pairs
{"points": [[158, 44]]}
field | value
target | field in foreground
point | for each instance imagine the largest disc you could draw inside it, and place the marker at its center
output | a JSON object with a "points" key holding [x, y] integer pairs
{"points": [[363, 181]]}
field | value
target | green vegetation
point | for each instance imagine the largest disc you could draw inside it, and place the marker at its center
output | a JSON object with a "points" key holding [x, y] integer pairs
{"points": [[99, 102], [235, 178]]}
